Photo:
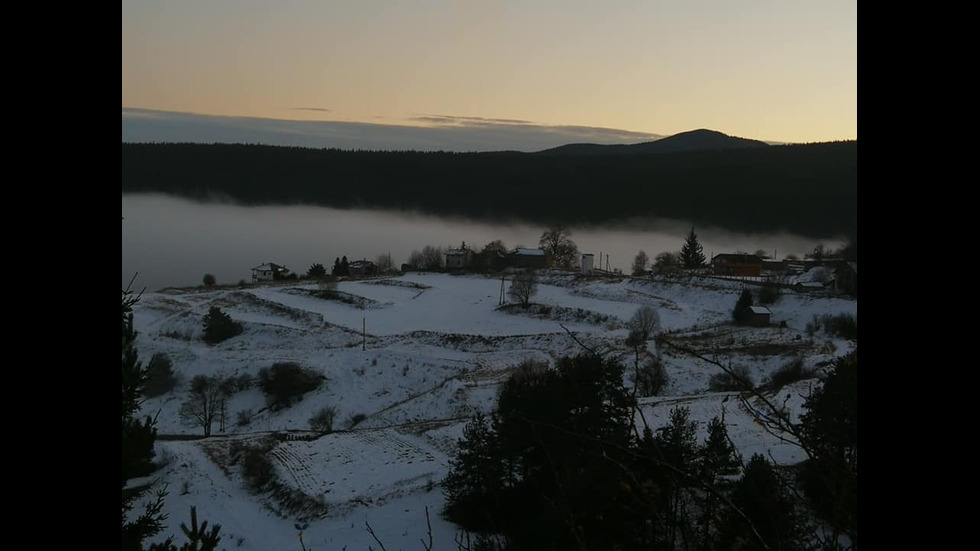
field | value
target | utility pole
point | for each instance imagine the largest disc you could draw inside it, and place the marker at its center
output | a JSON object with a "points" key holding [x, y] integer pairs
{"points": [[501, 301], [364, 333]]}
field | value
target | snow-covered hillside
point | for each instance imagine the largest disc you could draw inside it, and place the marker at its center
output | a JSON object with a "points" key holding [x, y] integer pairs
{"points": [[413, 358]]}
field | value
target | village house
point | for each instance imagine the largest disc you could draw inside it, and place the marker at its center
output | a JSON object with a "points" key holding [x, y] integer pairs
{"points": [[269, 272], [362, 268], [528, 258], [459, 259], [737, 264], [758, 316]]}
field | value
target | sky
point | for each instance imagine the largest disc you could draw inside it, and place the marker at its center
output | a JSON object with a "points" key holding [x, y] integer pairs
{"points": [[773, 70]]}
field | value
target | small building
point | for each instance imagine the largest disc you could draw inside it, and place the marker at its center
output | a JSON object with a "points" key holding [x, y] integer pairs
{"points": [[588, 263], [737, 264], [459, 259], [527, 258], [758, 316], [362, 268], [269, 272], [846, 278]]}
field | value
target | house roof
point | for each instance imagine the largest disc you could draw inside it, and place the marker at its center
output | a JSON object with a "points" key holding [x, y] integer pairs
{"points": [[737, 257], [458, 252], [269, 267], [529, 252], [760, 310]]}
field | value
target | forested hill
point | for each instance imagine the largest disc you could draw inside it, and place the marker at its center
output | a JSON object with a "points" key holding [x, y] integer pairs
{"points": [[693, 140], [806, 189]]}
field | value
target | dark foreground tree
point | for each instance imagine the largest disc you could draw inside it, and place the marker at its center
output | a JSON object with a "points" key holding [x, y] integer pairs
{"points": [[692, 253], [137, 440], [829, 429], [764, 497]]}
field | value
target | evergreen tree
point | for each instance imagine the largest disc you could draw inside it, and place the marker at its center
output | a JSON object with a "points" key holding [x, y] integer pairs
{"points": [[717, 460], [137, 439], [316, 271], [692, 254], [742, 308], [829, 429], [336, 267], [765, 500], [219, 326]]}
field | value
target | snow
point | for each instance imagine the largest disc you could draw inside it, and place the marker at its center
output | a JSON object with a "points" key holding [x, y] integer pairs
{"points": [[434, 350]]}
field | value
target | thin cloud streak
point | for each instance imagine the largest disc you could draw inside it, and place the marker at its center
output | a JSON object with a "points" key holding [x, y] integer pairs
{"points": [[468, 134], [311, 109]]}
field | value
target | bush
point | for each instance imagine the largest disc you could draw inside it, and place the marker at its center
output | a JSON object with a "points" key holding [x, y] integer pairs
{"points": [[244, 417], [322, 420], [651, 378], [725, 382], [218, 326], [841, 325], [241, 382], [789, 373], [741, 311], [209, 280], [257, 469], [355, 420], [768, 293], [161, 378], [285, 383]]}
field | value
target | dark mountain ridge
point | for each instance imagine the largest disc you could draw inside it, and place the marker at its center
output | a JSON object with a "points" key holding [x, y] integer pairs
{"points": [[806, 189], [694, 140]]}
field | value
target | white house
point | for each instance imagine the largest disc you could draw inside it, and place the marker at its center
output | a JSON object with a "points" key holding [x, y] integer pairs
{"points": [[269, 272]]}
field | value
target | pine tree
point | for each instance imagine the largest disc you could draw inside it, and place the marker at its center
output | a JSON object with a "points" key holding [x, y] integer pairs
{"points": [[741, 311], [692, 254], [137, 439], [219, 326], [765, 499]]}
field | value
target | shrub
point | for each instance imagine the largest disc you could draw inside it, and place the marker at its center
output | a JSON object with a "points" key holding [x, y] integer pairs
{"points": [[161, 378], [355, 420], [257, 469], [741, 311], [725, 381], [768, 293], [285, 383], [209, 280], [218, 326], [244, 417], [789, 373], [322, 420], [651, 378], [842, 325], [241, 382]]}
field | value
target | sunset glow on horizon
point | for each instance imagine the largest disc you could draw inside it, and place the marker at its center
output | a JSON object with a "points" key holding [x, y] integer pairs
{"points": [[766, 70]]}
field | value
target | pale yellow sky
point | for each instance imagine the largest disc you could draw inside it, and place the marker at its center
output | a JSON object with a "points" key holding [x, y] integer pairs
{"points": [[775, 70]]}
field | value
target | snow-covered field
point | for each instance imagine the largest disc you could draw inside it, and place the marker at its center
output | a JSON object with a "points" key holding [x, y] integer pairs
{"points": [[421, 354]]}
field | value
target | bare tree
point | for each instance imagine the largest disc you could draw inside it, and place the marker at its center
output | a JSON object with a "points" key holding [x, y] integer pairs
{"points": [[204, 403], [557, 243], [432, 257], [645, 322], [640, 263], [523, 287], [384, 263]]}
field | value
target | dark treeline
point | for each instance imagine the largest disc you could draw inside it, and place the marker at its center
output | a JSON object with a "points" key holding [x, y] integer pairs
{"points": [[805, 189]]}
